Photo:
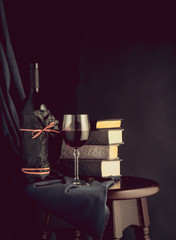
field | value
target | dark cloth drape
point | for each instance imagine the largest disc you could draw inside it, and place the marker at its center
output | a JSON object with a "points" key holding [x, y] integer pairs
{"points": [[11, 95]]}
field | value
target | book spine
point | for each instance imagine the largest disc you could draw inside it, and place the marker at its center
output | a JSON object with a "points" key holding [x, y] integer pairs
{"points": [[92, 152], [105, 124], [87, 168], [105, 137]]}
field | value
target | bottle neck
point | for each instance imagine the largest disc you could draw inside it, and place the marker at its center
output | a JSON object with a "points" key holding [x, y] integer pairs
{"points": [[34, 100], [34, 76]]}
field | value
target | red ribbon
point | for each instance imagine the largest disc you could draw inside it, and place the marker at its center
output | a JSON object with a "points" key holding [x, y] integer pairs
{"points": [[37, 132], [29, 170]]}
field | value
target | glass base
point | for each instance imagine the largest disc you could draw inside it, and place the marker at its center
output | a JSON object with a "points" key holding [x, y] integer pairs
{"points": [[80, 183]]}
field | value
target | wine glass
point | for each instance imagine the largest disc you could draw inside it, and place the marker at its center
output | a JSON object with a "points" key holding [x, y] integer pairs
{"points": [[75, 130]]}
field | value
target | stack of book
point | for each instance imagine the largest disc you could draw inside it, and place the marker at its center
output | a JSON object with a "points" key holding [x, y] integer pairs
{"points": [[99, 157]]}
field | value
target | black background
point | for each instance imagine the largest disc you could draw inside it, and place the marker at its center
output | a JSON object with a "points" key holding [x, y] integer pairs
{"points": [[117, 61]]}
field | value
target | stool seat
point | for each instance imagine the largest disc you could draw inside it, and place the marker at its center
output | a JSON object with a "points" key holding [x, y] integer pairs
{"points": [[132, 187]]}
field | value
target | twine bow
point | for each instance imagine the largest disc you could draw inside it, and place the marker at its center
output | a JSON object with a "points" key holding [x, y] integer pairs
{"points": [[37, 132]]}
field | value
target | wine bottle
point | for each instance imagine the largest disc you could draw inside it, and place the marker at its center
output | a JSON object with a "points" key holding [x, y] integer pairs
{"points": [[35, 114]]}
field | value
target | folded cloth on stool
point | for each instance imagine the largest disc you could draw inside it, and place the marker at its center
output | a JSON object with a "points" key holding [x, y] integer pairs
{"points": [[83, 207]]}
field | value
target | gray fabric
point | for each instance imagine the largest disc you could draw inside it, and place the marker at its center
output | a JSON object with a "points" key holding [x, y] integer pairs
{"points": [[83, 207]]}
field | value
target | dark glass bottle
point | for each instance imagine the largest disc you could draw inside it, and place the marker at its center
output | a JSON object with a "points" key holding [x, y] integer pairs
{"points": [[35, 116]]}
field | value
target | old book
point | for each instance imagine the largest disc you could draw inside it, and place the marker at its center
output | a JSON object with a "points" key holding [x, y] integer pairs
{"points": [[105, 137], [91, 167], [92, 152], [107, 123]]}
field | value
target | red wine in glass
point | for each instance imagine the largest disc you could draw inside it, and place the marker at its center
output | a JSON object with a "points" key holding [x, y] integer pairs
{"points": [[75, 130], [75, 138]]}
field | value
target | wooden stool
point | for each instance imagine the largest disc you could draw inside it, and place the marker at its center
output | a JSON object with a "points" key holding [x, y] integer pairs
{"points": [[127, 200]]}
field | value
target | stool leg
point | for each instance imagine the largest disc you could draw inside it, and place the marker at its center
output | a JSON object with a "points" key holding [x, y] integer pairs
{"points": [[45, 232], [77, 235], [142, 233], [117, 221]]}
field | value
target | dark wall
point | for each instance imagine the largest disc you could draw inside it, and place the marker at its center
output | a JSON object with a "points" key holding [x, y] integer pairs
{"points": [[120, 61], [50, 35], [138, 85], [128, 70]]}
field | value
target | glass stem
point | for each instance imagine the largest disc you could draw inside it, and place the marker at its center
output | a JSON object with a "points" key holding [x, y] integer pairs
{"points": [[76, 154]]}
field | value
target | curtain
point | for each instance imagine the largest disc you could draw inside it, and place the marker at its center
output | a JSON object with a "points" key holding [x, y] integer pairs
{"points": [[11, 98]]}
